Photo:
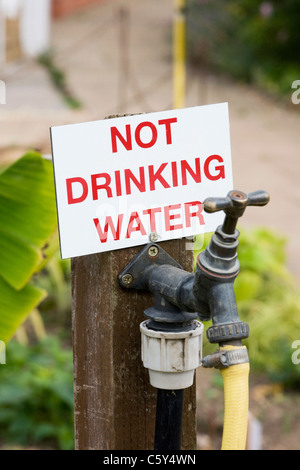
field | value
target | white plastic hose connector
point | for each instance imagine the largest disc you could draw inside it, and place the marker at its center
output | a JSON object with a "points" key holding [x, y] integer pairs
{"points": [[171, 357]]}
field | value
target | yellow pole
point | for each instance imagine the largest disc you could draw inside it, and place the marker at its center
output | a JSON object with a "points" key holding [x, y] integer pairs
{"points": [[179, 54]]}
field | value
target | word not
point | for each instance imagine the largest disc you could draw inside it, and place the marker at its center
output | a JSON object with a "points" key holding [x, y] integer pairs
{"points": [[171, 216], [146, 125], [167, 175], [296, 95]]}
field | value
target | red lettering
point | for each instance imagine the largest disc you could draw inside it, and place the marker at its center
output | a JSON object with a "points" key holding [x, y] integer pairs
{"points": [[118, 183], [219, 168], [105, 185], [196, 175], [157, 176], [169, 217], [174, 174], [134, 218], [189, 214], [125, 141], [153, 139], [167, 123], [109, 224], [71, 198], [129, 176], [152, 213]]}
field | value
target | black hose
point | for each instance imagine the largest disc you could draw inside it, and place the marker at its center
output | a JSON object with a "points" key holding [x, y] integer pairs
{"points": [[168, 419]]}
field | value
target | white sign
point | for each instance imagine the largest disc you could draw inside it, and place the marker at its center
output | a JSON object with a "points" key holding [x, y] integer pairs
{"points": [[117, 180]]}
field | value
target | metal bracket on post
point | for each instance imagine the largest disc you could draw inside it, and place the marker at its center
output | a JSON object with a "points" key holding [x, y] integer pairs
{"points": [[133, 275], [153, 269]]}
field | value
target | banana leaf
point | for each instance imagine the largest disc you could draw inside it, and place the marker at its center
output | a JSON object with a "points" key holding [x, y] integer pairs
{"points": [[27, 222]]}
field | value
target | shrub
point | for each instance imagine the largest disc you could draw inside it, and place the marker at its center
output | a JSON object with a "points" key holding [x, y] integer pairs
{"points": [[36, 395], [252, 40]]}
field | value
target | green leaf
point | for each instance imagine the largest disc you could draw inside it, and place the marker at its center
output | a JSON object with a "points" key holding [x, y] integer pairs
{"points": [[15, 254], [28, 219], [15, 305], [27, 214]]}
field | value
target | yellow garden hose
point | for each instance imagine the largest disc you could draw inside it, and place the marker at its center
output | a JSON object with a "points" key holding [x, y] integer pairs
{"points": [[236, 402]]}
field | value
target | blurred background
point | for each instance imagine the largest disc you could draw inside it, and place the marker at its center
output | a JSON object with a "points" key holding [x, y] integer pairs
{"points": [[65, 61]]}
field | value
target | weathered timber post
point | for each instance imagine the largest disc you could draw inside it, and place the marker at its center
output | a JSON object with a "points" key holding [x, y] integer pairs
{"points": [[115, 405]]}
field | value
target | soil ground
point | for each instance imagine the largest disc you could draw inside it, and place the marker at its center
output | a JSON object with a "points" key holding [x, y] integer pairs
{"points": [[274, 413], [117, 62]]}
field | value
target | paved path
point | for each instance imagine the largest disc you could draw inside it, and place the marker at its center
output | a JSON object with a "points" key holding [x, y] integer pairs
{"points": [[121, 62]]}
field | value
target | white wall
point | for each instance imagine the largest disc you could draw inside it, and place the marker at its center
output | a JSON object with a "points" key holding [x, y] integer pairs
{"points": [[35, 26], [11, 8], [35, 23], [2, 37]]}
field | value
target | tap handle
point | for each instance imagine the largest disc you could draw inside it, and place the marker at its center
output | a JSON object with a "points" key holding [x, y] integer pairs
{"points": [[234, 205]]}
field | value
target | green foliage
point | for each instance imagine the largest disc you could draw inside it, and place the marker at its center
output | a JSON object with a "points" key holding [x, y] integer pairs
{"points": [[55, 279], [36, 395], [58, 79], [269, 301], [252, 40], [28, 221]]}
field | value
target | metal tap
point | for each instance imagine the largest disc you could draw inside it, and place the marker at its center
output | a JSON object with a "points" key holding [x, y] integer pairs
{"points": [[179, 296]]}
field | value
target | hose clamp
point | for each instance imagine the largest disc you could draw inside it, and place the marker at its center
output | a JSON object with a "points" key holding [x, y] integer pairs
{"points": [[227, 358]]}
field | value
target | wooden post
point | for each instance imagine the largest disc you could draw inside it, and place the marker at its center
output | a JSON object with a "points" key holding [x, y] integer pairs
{"points": [[115, 405], [124, 59], [179, 46]]}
